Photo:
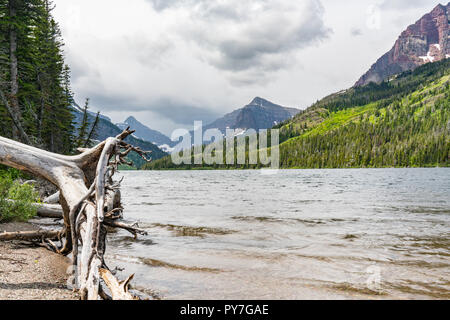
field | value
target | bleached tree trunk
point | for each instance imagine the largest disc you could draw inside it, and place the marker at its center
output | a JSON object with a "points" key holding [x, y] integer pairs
{"points": [[84, 182]]}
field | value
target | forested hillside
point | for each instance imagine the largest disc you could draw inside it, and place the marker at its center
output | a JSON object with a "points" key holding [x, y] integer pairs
{"points": [[35, 92], [403, 122]]}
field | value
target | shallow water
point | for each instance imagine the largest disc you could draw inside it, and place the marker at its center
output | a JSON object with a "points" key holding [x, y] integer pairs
{"points": [[363, 233]]}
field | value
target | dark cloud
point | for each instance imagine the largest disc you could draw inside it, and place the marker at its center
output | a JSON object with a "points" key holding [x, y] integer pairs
{"points": [[178, 112], [255, 35], [184, 113], [248, 37], [149, 51], [80, 68], [160, 5]]}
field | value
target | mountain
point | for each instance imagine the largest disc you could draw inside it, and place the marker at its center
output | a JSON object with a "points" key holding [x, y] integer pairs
{"points": [[425, 41], [401, 123], [106, 129], [78, 115], [146, 133], [258, 114]]}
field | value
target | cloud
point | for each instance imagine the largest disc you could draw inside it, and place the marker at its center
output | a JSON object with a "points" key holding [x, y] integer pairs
{"points": [[178, 112], [406, 4], [150, 52], [160, 5], [182, 113], [356, 32], [169, 62], [238, 36], [406, 12]]}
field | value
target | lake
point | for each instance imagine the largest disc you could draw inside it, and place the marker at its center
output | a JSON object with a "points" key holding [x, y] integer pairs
{"points": [[297, 234]]}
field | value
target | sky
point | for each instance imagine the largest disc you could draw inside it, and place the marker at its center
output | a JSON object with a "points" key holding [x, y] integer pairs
{"points": [[171, 62]]}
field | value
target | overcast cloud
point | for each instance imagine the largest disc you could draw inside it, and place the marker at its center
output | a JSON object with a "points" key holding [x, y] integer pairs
{"points": [[170, 62]]}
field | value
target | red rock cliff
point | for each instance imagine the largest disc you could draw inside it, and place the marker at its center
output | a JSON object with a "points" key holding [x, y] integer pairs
{"points": [[425, 41]]}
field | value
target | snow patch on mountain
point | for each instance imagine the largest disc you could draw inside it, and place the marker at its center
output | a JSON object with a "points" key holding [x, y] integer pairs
{"points": [[166, 148]]}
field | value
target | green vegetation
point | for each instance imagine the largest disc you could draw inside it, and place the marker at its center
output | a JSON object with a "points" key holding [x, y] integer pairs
{"points": [[401, 123], [34, 80], [21, 209], [381, 95], [410, 131]]}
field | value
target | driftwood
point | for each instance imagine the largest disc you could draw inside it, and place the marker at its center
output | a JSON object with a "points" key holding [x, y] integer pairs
{"points": [[53, 199], [49, 211], [29, 235], [90, 201], [119, 290], [53, 211]]}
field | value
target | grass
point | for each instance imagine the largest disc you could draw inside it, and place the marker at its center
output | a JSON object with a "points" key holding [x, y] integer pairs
{"points": [[339, 119]]}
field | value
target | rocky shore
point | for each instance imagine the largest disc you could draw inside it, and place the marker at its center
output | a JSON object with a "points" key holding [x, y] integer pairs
{"points": [[31, 273]]}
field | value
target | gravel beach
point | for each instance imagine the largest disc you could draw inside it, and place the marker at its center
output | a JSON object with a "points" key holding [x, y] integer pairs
{"points": [[31, 273]]}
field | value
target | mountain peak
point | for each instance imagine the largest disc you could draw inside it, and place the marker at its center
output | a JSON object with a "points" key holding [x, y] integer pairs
{"points": [[440, 7], [259, 101], [144, 132], [130, 119], [425, 41], [259, 114]]}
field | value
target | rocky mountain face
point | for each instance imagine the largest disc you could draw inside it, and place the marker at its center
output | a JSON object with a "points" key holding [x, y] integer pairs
{"points": [[145, 132], [259, 114], [425, 41]]}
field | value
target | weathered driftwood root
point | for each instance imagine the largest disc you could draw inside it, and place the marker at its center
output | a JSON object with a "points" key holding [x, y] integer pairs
{"points": [[119, 290], [90, 200], [52, 199], [30, 235], [49, 211], [56, 212], [134, 229]]}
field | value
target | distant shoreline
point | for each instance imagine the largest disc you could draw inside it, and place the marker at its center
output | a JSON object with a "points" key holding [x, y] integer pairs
{"points": [[294, 168]]}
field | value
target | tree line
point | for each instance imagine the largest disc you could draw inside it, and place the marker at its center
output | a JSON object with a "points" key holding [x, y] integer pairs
{"points": [[35, 89], [400, 123]]}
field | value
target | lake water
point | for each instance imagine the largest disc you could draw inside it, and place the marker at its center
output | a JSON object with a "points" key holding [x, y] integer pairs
{"points": [[298, 234]]}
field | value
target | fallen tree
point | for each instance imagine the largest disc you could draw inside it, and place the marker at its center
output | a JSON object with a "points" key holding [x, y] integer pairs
{"points": [[90, 201], [47, 210]]}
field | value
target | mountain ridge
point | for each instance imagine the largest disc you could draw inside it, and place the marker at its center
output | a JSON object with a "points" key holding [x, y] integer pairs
{"points": [[401, 123], [145, 133], [106, 129], [425, 41], [258, 114]]}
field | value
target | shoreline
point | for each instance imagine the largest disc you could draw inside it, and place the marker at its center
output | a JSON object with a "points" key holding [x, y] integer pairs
{"points": [[287, 169], [31, 273]]}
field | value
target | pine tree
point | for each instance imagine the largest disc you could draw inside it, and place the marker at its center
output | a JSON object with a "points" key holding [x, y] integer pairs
{"points": [[33, 76], [92, 132], [83, 130]]}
